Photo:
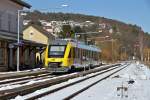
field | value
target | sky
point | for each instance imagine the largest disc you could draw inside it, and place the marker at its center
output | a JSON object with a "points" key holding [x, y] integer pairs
{"points": [[128, 11]]}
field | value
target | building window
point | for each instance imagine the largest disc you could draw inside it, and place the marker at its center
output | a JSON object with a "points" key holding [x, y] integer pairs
{"points": [[31, 33], [1, 56], [0, 20], [9, 22], [3, 53]]}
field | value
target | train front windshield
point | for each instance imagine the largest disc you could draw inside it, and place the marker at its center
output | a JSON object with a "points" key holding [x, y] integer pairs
{"points": [[56, 51]]}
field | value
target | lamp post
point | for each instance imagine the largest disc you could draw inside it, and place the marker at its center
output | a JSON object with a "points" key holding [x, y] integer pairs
{"points": [[19, 12], [18, 36], [18, 40]]}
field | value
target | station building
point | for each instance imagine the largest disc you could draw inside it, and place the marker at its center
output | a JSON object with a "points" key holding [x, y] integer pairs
{"points": [[8, 37]]}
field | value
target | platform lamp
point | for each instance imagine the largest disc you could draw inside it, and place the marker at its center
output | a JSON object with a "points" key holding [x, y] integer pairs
{"points": [[22, 13]]}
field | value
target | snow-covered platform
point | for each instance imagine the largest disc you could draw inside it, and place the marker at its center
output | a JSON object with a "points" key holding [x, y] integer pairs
{"points": [[16, 74], [132, 83]]}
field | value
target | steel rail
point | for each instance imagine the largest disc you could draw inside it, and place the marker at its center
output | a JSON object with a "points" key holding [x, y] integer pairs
{"points": [[26, 80], [87, 87], [11, 93], [22, 74], [23, 78], [67, 85]]}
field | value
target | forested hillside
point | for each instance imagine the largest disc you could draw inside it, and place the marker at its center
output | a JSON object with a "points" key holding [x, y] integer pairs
{"points": [[128, 35]]}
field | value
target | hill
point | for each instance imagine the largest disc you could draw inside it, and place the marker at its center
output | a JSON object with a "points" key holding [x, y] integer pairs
{"points": [[129, 36]]}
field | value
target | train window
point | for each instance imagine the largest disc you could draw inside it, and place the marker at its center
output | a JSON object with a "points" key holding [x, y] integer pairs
{"points": [[92, 54], [70, 52], [84, 53], [97, 56], [89, 54], [81, 53], [76, 52], [78, 55], [73, 52], [56, 50]]}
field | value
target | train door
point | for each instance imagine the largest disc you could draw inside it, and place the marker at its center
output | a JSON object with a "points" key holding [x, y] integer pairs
{"points": [[70, 57]]}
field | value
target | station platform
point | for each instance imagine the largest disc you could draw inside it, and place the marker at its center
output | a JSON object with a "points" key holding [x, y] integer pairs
{"points": [[19, 74]]}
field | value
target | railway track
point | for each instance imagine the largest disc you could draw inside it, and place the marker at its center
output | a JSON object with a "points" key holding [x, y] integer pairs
{"points": [[68, 85], [92, 84], [25, 79], [21, 74], [53, 91], [24, 90]]}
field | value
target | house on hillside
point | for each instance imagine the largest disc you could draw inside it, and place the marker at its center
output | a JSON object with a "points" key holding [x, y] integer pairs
{"points": [[8, 37], [37, 34]]}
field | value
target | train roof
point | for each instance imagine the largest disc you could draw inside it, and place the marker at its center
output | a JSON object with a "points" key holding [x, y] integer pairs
{"points": [[75, 43]]}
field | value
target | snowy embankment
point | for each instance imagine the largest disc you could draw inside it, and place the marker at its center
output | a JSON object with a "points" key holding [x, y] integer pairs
{"points": [[133, 83]]}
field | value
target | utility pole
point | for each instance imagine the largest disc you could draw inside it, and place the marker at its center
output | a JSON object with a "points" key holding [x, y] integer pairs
{"points": [[148, 55], [113, 45], [141, 44], [112, 49], [18, 40]]}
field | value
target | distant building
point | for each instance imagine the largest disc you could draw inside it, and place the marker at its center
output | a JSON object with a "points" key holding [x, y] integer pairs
{"points": [[37, 34], [26, 22]]}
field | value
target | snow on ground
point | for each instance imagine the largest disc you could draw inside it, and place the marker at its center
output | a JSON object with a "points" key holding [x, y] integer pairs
{"points": [[60, 95], [137, 73], [5, 87], [32, 82], [135, 81], [56, 86]]}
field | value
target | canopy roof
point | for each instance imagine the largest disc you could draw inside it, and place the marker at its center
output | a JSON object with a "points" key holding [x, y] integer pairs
{"points": [[20, 2]]}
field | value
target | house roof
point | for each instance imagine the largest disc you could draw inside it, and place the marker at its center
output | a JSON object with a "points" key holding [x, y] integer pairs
{"points": [[33, 43], [20, 2], [40, 29]]}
